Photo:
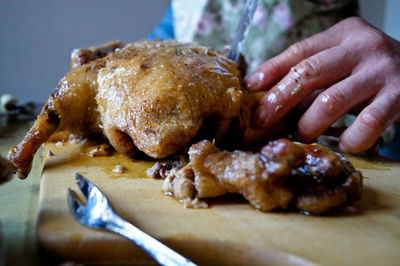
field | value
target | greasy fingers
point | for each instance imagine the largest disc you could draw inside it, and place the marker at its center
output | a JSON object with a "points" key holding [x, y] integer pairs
{"points": [[334, 102], [276, 68], [317, 71], [371, 122], [357, 63]]}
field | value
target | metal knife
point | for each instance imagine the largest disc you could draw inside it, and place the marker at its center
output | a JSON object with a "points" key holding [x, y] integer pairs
{"points": [[242, 29]]}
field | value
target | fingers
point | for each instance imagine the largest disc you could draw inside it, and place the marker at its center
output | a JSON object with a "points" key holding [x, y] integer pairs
{"points": [[371, 123], [318, 71], [274, 69], [351, 49], [334, 102], [306, 103]]}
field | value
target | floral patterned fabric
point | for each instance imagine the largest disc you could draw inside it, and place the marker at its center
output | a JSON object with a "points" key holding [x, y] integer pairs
{"points": [[276, 23]]}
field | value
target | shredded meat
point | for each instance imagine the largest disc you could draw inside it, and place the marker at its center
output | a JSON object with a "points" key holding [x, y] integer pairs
{"points": [[310, 177], [160, 170]]}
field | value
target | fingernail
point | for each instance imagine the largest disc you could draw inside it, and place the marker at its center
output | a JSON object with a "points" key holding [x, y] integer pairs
{"points": [[260, 116], [254, 80]]}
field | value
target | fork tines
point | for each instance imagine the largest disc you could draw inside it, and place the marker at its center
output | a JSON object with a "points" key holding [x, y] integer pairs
{"points": [[83, 184]]}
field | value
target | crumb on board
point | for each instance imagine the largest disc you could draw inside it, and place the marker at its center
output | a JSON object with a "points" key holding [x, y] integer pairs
{"points": [[59, 143], [119, 169], [72, 138], [99, 150], [195, 203]]}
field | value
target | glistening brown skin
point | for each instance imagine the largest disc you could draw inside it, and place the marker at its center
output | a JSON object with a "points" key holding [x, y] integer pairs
{"points": [[355, 62], [71, 109], [320, 178], [311, 177], [150, 95], [21, 156]]}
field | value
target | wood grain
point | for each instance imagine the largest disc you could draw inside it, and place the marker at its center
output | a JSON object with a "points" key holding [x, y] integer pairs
{"points": [[230, 232]]}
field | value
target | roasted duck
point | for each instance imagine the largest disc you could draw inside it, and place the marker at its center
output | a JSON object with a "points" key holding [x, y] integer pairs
{"points": [[153, 96]]}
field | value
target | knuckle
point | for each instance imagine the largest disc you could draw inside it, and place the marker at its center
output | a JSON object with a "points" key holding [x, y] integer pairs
{"points": [[366, 35], [390, 65], [296, 50], [379, 40], [355, 22], [331, 103], [376, 40], [274, 66], [372, 120], [308, 68]]}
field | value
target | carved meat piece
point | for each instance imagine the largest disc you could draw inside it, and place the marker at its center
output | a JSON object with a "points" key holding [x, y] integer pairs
{"points": [[312, 178]]}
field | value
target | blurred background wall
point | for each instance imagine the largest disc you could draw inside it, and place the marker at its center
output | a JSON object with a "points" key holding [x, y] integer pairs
{"points": [[37, 36]]}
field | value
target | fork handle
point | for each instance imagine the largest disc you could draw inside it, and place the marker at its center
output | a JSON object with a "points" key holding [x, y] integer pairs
{"points": [[157, 250]]}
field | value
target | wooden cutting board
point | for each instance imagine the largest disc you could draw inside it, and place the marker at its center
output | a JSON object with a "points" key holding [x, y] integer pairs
{"points": [[230, 232]]}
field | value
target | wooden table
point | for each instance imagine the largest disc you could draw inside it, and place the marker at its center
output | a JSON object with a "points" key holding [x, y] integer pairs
{"points": [[230, 232], [19, 201]]}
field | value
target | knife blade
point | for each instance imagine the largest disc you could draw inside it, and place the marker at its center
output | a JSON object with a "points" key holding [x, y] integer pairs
{"points": [[242, 29]]}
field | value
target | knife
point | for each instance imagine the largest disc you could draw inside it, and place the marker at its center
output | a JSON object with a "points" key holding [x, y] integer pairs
{"points": [[242, 29]]}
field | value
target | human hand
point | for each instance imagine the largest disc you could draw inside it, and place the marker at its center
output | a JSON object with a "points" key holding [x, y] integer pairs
{"points": [[355, 62]]}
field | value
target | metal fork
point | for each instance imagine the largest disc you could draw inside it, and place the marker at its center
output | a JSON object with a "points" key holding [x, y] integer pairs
{"points": [[98, 213]]}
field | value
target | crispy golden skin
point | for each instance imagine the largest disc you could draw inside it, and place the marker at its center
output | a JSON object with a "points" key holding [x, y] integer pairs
{"points": [[150, 95], [161, 96]]}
